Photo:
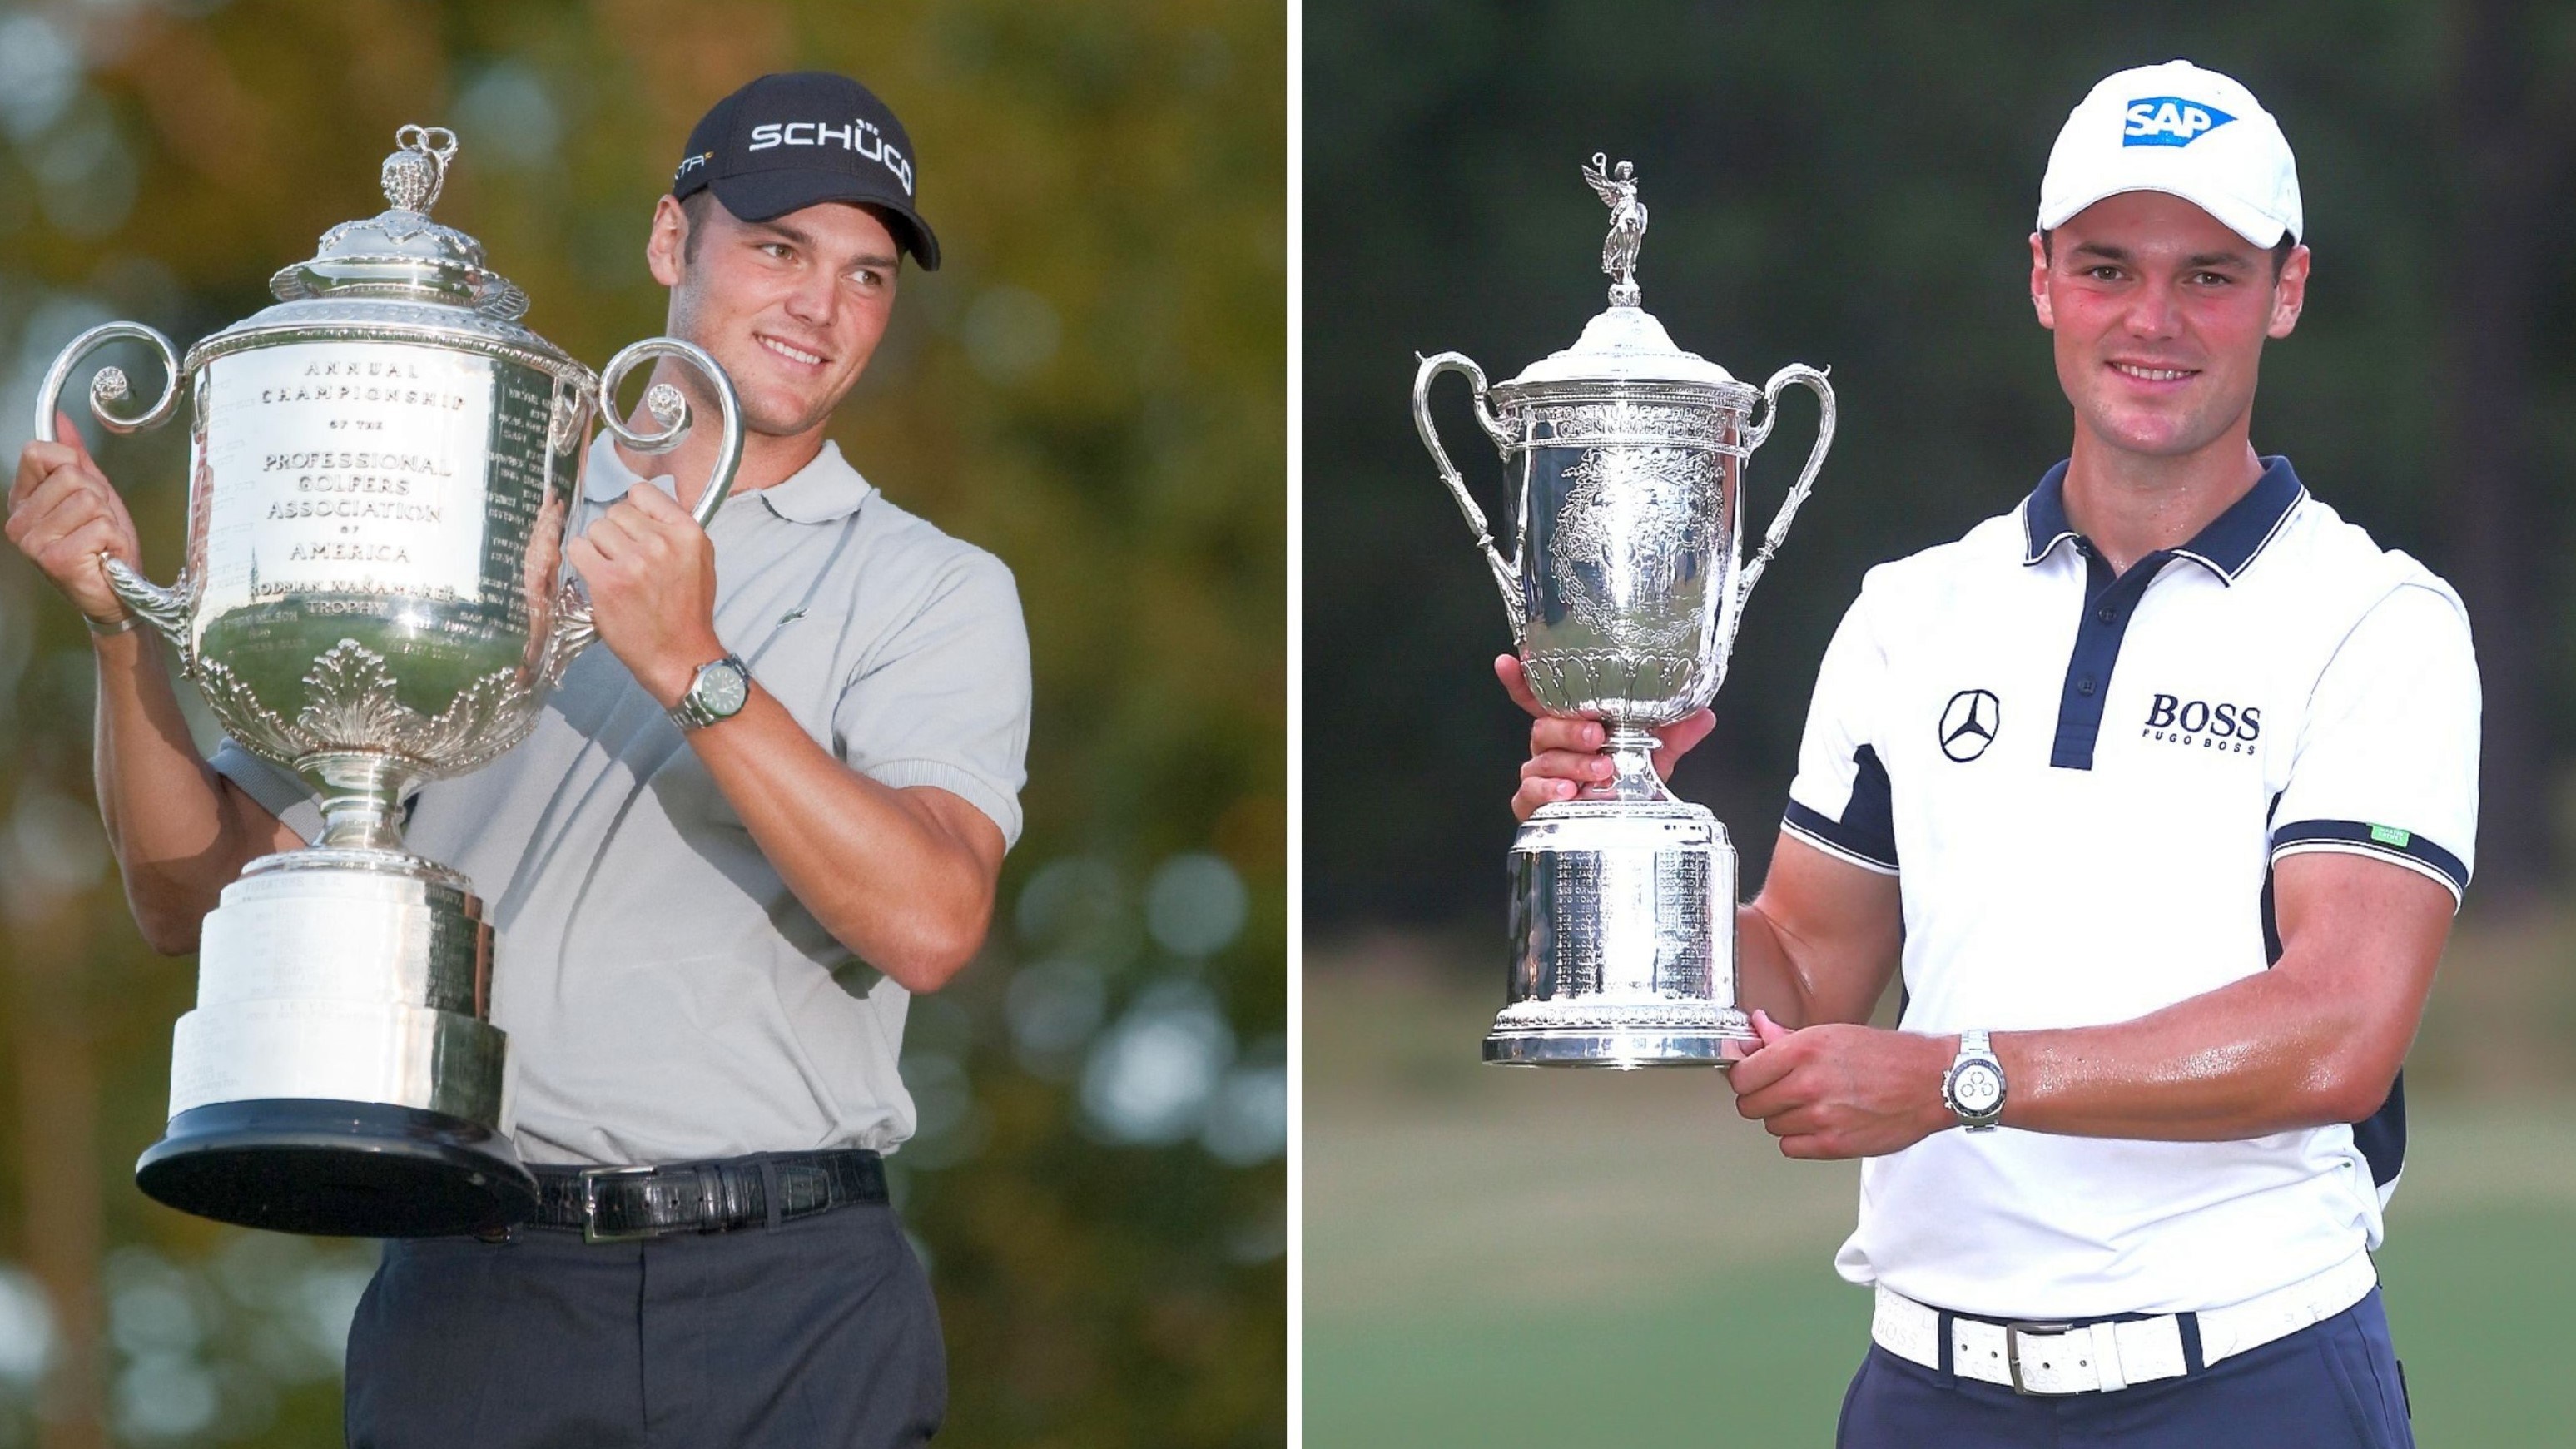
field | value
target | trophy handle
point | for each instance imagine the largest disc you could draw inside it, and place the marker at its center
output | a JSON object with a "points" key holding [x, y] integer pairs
{"points": [[575, 627], [1507, 572], [164, 609], [1796, 373], [670, 407]]}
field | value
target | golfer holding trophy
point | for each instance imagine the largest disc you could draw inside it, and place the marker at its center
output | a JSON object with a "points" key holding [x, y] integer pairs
{"points": [[694, 875], [2160, 791]]}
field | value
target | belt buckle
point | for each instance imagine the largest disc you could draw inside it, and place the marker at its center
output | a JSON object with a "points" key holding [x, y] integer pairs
{"points": [[590, 1229], [2012, 1355]]}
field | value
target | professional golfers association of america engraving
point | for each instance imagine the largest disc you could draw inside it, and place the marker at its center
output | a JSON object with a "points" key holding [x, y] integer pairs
{"points": [[382, 469], [1625, 458]]}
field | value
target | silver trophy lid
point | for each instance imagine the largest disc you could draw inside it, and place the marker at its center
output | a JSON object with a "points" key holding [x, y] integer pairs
{"points": [[400, 253], [1624, 343]]}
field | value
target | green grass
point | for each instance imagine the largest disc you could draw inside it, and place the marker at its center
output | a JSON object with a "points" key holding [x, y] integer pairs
{"points": [[2476, 1301], [1754, 1357], [1503, 1258]]}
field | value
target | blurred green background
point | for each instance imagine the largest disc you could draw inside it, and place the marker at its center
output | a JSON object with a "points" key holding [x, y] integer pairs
{"points": [[1506, 1259], [1091, 388]]}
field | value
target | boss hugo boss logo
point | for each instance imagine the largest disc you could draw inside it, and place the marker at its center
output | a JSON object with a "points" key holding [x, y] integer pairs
{"points": [[859, 135], [2170, 121], [2227, 728], [1969, 722]]}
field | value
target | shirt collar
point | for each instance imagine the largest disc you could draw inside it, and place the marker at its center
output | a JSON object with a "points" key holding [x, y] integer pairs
{"points": [[2226, 547], [825, 489]]}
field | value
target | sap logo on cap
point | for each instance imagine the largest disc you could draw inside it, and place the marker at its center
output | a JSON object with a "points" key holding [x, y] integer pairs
{"points": [[859, 135], [2170, 121]]}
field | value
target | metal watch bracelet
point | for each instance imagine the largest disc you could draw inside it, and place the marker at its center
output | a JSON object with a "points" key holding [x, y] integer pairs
{"points": [[1974, 1088], [706, 703]]}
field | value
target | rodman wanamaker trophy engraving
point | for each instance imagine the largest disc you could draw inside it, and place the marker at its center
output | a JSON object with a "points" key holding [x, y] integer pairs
{"points": [[1625, 586], [382, 470]]}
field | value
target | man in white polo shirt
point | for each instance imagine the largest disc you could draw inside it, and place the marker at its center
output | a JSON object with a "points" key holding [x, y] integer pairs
{"points": [[2161, 791]]}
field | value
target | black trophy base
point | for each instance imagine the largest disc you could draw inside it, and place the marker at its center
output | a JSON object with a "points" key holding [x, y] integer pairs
{"points": [[341, 1169]]}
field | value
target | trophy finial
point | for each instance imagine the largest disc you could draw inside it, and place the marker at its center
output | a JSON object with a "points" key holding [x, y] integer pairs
{"points": [[400, 250], [1617, 188], [418, 167]]}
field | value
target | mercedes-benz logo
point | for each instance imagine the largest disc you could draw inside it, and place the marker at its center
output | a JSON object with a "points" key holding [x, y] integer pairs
{"points": [[1969, 723]]}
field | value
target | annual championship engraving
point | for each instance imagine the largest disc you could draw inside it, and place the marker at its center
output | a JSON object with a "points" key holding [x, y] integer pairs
{"points": [[346, 469]]}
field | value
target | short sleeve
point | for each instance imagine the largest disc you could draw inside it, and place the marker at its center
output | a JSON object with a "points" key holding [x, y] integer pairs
{"points": [[1839, 802], [945, 701], [276, 789], [2387, 762]]}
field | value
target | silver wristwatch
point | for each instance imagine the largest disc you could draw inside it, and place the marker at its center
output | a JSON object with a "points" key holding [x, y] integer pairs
{"points": [[1974, 1089], [717, 693]]}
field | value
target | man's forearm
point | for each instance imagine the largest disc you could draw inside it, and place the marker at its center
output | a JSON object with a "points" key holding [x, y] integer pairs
{"points": [[1820, 942], [2317, 1039], [2270, 1053], [1766, 973], [899, 877], [179, 839], [2314, 1040]]}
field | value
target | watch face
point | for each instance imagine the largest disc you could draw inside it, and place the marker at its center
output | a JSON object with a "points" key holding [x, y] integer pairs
{"points": [[721, 688], [1976, 1089]]}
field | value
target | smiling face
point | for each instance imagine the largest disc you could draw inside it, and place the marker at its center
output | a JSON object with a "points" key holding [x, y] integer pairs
{"points": [[792, 307], [2160, 314]]}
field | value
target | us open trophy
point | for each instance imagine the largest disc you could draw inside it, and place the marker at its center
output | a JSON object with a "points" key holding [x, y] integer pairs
{"points": [[382, 467], [1625, 587]]}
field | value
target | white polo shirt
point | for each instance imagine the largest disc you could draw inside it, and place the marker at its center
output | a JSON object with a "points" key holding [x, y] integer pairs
{"points": [[2082, 783]]}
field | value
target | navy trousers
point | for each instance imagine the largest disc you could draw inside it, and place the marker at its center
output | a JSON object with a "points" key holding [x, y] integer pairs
{"points": [[818, 1332], [2330, 1385]]}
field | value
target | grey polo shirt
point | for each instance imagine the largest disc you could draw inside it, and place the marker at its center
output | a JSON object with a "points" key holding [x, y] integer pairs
{"points": [[666, 997]]}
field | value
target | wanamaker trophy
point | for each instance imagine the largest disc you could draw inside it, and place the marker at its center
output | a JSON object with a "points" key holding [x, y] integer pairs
{"points": [[382, 469], [1625, 586]]}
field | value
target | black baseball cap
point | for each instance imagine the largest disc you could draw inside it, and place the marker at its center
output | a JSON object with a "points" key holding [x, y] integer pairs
{"points": [[785, 142]]}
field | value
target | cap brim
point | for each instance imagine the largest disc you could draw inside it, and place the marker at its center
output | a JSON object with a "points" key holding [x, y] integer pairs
{"points": [[768, 195], [2241, 217]]}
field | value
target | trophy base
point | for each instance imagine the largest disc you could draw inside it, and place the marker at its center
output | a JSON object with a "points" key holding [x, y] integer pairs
{"points": [[1622, 940], [343, 1169], [1528, 1034], [339, 1074]]}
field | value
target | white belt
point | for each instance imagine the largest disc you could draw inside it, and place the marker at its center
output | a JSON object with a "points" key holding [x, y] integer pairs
{"points": [[2100, 1357]]}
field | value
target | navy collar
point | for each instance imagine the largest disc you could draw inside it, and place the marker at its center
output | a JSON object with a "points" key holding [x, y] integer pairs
{"points": [[2226, 547]]}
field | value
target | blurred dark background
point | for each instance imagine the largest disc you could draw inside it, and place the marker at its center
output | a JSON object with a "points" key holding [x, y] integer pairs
{"points": [[1090, 389], [1850, 185], [1498, 1259]]}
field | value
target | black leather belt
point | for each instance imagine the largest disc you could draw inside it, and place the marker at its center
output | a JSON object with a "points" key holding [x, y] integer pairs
{"points": [[614, 1204]]}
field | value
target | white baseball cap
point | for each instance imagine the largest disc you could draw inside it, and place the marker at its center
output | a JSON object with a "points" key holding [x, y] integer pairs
{"points": [[2182, 130]]}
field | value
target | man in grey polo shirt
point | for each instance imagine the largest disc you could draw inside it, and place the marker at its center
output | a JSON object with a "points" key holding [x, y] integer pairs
{"points": [[740, 836]]}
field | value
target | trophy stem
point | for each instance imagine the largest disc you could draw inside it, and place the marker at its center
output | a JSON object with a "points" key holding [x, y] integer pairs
{"points": [[362, 798], [1632, 761]]}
